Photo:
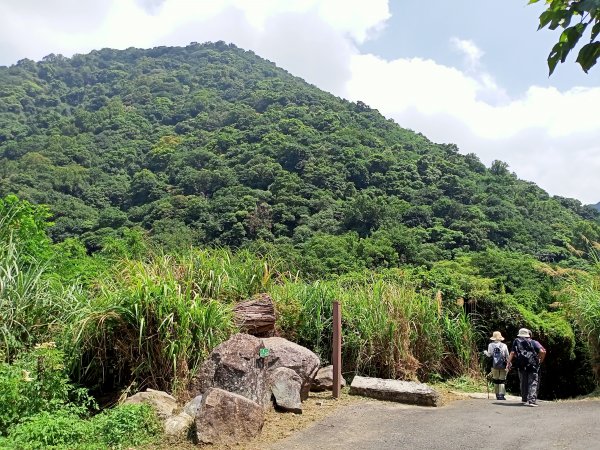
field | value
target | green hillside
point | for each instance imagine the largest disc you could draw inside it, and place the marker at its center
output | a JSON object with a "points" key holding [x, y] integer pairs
{"points": [[210, 144], [143, 193]]}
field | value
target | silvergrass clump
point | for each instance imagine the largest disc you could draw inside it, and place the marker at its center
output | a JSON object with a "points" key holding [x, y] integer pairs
{"points": [[33, 307], [154, 321], [305, 312], [389, 329], [384, 329], [583, 306], [461, 355]]}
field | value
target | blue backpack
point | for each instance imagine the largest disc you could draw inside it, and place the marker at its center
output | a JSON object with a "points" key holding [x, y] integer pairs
{"points": [[498, 359]]}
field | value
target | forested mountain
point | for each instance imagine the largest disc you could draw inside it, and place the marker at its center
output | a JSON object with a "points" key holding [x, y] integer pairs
{"points": [[210, 144]]}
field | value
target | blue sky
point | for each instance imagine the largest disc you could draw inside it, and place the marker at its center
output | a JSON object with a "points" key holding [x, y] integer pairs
{"points": [[515, 51], [471, 72]]}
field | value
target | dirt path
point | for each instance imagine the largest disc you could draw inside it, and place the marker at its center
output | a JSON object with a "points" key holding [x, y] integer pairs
{"points": [[464, 424]]}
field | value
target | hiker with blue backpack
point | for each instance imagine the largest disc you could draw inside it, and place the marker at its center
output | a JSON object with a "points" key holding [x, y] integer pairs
{"points": [[498, 351], [526, 355]]}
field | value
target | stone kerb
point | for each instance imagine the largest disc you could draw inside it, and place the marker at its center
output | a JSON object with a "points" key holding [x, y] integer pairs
{"points": [[395, 391]]}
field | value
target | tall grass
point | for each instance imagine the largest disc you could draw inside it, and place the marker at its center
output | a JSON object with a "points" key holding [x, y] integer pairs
{"points": [[583, 306], [460, 337], [152, 322], [155, 321], [582, 302], [33, 307], [389, 329]]}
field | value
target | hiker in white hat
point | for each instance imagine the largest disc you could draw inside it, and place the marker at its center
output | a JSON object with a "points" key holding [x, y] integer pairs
{"points": [[498, 351], [527, 355]]}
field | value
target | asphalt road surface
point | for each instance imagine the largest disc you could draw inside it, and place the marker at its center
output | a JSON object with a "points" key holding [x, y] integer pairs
{"points": [[464, 424]]}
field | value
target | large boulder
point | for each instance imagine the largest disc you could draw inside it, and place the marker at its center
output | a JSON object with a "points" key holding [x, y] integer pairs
{"points": [[324, 380], [235, 366], [395, 391], [283, 353], [227, 418], [256, 316], [285, 385], [163, 403]]}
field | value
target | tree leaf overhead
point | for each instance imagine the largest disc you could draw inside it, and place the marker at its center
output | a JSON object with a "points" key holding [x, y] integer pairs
{"points": [[561, 13]]}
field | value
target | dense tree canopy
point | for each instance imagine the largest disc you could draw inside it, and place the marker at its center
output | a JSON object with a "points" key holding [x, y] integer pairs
{"points": [[212, 145]]}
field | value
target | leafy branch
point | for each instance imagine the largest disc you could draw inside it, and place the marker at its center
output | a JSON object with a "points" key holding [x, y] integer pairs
{"points": [[561, 13]]}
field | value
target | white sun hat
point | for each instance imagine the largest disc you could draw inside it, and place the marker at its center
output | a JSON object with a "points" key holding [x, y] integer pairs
{"points": [[524, 332]]}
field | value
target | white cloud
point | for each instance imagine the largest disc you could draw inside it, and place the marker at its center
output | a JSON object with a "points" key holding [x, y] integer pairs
{"points": [[471, 52], [547, 136]]}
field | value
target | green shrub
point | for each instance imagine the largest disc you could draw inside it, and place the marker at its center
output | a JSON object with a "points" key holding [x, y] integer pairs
{"points": [[121, 427], [126, 425], [60, 429], [37, 382], [564, 361], [25, 224]]}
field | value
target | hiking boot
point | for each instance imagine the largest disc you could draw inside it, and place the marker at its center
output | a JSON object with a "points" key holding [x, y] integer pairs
{"points": [[502, 397], [532, 404]]}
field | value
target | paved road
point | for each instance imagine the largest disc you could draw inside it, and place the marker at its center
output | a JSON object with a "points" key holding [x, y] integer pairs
{"points": [[464, 424]]}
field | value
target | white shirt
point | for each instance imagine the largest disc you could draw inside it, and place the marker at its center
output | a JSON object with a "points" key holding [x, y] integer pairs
{"points": [[503, 348]]}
